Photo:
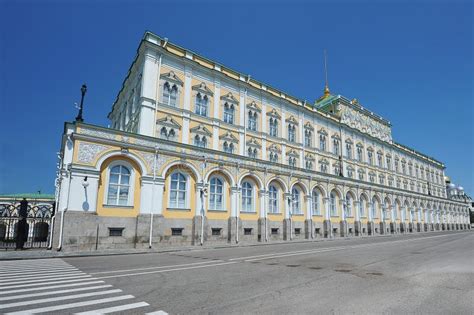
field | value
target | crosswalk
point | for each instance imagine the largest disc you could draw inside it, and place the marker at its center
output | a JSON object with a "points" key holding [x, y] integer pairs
{"points": [[54, 286]]}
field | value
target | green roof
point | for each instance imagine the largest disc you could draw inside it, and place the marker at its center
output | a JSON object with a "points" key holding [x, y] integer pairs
{"points": [[28, 196]]}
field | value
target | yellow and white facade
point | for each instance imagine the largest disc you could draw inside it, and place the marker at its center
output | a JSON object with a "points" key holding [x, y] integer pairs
{"points": [[200, 153]]}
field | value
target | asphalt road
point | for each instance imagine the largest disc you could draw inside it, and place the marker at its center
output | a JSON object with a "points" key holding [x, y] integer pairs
{"points": [[426, 273]]}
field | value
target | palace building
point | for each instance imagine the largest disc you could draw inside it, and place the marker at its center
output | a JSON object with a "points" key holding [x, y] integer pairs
{"points": [[198, 153]]}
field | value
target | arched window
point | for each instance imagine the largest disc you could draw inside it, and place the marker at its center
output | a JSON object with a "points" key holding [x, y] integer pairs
{"points": [[216, 196], [228, 148], [375, 208], [316, 202], [349, 150], [335, 146], [252, 152], [332, 204], [322, 142], [348, 205], [201, 104], [362, 206], [170, 94], [296, 203], [291, 133], [273, 199], [229, 113], [164, 133], [171, 134], [119, 186], [252, 119], [273, 127], [308, 138], [178, 191], [273, 157], [247, 197], [292, 161], [370, 158], [309, 165], [200, 141]]}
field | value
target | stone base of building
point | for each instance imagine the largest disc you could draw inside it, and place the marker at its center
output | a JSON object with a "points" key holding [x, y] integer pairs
{"points": [[358, 228], [327, 228], [370, 228], [287, 227], [425, 227], [403, 227], [419, 227], [308, 229], [437, 226], [383, 228], [343, 229]]}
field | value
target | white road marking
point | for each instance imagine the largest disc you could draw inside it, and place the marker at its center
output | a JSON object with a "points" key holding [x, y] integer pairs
{"points": [[314, 250], [54, 287], [57, 277], [37, 270], [43, 283], [19, 278], [297, 254], [115, 309], [158, 267], [71, 305], [168, 270], [23, 296], [59, 298], [157, 313]]}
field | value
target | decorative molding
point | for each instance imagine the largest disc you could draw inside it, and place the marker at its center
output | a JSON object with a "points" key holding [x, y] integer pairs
{"points": [[88, 152], [201, 130], [228, 136], [253, 105], [229, 98], [168, 121], [171, 77], [202, 88], [98, 133], [273, 113], [365, 124]]}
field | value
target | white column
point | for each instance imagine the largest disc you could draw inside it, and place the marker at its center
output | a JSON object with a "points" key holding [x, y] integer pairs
{"points": [[369, 215], [149, 92], [217, 98], [234, 196], [283, 125], [327, 215], [264, 116], [199, 205], [264, 149], [287, 206], [262, 194], [187, 87], [242, 108], [343, 204], [185, 132], [357, 210], [215, 137], [309, 203], [241, 143]]}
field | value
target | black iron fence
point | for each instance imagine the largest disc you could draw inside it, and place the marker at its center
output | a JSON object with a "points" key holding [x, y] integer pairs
{"points": [[34, 228]]}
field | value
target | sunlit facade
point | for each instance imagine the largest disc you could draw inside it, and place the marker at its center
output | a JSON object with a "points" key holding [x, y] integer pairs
{"points": [[199, 153]]}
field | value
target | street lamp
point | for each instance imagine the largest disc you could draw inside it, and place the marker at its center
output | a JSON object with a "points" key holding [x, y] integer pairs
{"points": [[83, 92]]}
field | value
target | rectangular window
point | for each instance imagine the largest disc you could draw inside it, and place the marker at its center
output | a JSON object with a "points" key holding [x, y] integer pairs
{"points": [[297, 231], [317, 231], [274, 231], [247, 231], [116, 231], [216, 231], [177, 231]]}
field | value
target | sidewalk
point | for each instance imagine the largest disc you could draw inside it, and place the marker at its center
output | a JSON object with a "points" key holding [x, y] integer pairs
{"points": [[43, 253]]}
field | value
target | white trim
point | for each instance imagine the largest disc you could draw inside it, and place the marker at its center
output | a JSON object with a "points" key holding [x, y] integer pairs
{"points": [[224, 189]]}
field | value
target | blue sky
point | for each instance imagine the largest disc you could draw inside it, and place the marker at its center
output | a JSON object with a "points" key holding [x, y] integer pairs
{"points": [[410, 62]]}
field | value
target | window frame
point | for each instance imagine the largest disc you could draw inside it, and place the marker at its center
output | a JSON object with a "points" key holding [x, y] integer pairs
{"points": [[186, 201], [223, 184], [131, 187]]}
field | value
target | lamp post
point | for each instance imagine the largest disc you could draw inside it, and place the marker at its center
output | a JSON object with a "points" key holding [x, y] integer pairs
{"points": [[83, 92]]}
